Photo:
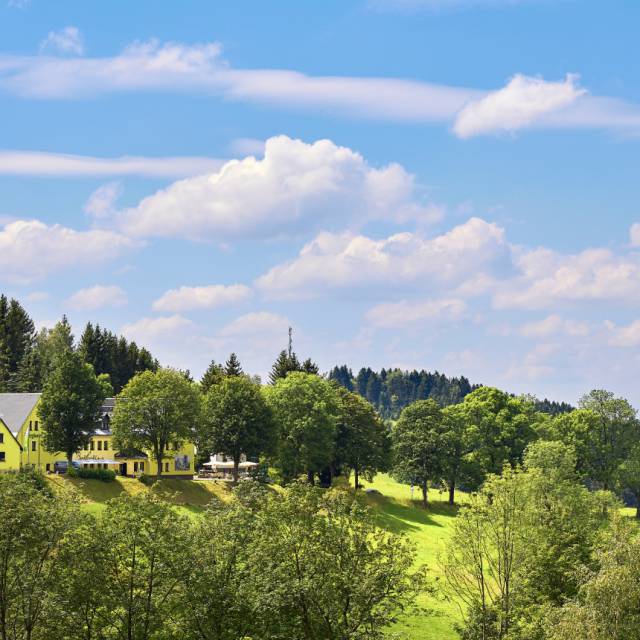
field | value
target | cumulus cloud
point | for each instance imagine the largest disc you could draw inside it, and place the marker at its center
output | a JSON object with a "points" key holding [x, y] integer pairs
{"points": [[207, 297], [335, 261], [101, 203], [260, 323], [176, 67], [624, 336], [295, 186], [41, 163], [97, 297], [521, 103], [549, 278], [554, 325], [31, 250], [68, 40], [392, 315], [149, 329]]}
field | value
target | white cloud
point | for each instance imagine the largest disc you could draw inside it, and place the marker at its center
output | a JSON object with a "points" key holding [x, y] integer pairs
{"points": [[620, 336], [31, 250], [554, 325], [41, 163], [101, 202], [634, 235], [37, 296], [549, 278], [150, 329], [68, 40], [208, 297], [521, 103], [97, 297], [175, 67], [393, 315], [346, 261], [261, 323], [296, 186]]}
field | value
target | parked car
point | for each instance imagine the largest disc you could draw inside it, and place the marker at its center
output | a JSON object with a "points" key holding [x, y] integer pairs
{"points": [[61, 466]]}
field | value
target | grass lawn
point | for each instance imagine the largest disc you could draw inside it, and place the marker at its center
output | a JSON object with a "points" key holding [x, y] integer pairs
{"points": [[430, 530]]}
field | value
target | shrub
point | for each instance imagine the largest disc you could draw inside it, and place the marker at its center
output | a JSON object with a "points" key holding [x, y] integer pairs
{"points": [[147, 480], [105, 475]]}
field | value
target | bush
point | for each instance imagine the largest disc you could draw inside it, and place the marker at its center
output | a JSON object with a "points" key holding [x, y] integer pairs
{"points": [[105, 475], [147, 480]]}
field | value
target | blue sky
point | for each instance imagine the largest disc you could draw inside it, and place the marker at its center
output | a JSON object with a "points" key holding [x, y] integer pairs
{"points": [[439, 184]]}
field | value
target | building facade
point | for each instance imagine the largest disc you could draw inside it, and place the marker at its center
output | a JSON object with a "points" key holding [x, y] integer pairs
{"points": [[21, 444]]}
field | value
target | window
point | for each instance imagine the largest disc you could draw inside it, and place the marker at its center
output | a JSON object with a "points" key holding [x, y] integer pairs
{"points": [[86, 447], [2, 456], [48, 467], [99, 445], [1, 438], [166, 467], [142, 466], [34, 445], [106, 445], [35, 426], [91, 445]]}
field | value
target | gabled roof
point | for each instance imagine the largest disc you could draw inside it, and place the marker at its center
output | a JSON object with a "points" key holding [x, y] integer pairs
{"points": [[16, 407], [13, 435]]}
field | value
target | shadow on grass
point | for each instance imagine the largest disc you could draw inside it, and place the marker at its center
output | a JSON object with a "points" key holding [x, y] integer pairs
{"points": [[400, 517]]}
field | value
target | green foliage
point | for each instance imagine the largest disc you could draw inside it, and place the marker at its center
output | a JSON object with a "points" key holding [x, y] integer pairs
{"points": [[418, 441], [70, 405], [306, 409], [236, 421], [104, 475], [607, 606], [212, 376], [17, 336], [232, 367], [361, 437], [155, 409], [391, 390], [518, 549]]}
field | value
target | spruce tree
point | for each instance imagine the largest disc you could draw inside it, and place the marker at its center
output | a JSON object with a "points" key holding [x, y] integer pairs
{"points": [[232, 366], [309, 366], [212, 376]]}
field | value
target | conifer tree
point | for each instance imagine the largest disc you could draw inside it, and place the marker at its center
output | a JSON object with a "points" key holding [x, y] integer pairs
{"points": [[213, 375], [232, 366]]}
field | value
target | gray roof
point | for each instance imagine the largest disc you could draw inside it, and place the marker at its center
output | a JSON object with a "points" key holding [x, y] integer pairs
{"points": [[15, 407]]}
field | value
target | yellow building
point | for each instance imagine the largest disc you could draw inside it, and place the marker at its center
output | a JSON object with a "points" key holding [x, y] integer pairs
{"points": [[21, 443]]}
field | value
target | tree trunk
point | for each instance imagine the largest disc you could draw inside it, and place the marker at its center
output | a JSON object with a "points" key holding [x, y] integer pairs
{"points": [[357, 477], [236, 469], [637, 508], [159, 458], [452, 492], [425, 494], [310, 478]]}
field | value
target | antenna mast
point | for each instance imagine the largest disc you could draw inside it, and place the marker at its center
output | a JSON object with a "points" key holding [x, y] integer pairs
{"points": [[290, 342]]}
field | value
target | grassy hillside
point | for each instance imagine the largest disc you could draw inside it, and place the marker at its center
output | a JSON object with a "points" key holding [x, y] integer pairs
{"points": [[429, 529]]}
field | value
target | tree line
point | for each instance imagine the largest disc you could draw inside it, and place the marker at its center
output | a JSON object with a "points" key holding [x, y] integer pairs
{"points": [[27, 356]]}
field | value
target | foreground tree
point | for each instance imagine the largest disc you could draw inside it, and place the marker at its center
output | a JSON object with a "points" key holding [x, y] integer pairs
{"points": [[418, 445], [518, 548], [306, 409], [70, 405], [608, 601], [33, 526], [237, 421], [326, 569], [360, 438], [154, 409]]}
